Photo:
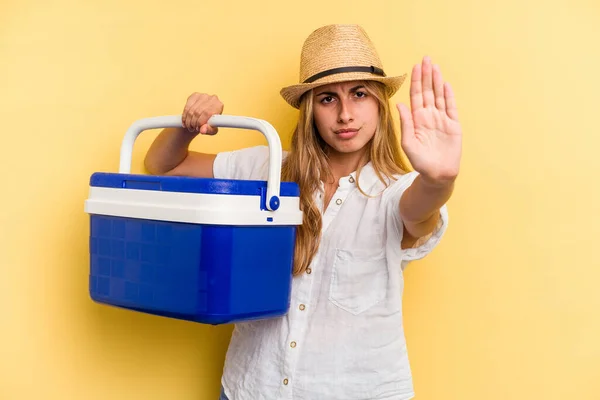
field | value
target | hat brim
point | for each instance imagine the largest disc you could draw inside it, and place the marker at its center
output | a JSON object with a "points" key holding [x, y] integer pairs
{"points": [[292, 94]]}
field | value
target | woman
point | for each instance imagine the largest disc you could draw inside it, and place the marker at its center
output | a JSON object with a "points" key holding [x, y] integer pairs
{"points": [[366, 215]]}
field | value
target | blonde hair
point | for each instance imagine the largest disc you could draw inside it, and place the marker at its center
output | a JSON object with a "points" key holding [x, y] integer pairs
{"points": [[306, 164]]}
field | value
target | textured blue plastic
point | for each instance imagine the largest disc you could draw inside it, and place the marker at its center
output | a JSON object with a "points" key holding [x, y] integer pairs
{"points": [[204, 273], [188, 184]]}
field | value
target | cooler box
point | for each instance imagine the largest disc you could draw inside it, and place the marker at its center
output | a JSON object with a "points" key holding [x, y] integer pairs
{"points": [[212, 251]]}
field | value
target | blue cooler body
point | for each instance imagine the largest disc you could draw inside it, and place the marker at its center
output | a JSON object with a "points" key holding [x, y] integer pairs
{"points": [[212, 251]]}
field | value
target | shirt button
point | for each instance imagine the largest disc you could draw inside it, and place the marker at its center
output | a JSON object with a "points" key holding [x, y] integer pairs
{"points": [[285, 381], [351, 179], [338, 201], [302, 307], [293, 345], [308, 271]]}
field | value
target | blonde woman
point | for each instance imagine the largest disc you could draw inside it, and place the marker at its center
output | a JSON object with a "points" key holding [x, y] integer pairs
{"points": [[366, 215]]}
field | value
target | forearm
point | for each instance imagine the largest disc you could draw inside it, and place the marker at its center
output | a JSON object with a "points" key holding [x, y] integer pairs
{"points": [[420, 205], [168, 150]]}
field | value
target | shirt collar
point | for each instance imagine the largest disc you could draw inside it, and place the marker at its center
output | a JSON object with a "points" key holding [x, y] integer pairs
{"points": [[367, 180]]}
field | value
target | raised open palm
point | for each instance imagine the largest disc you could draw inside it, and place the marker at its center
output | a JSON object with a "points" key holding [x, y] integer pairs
{"points": [[431, 133]]}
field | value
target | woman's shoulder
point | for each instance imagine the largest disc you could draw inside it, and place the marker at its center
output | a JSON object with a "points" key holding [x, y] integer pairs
{"points": [[244, 163], [404, 176], [399, 182], [253, 152]]}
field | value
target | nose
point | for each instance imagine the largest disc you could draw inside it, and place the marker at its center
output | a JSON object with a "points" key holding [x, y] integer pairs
{"points": [[344, 112]]}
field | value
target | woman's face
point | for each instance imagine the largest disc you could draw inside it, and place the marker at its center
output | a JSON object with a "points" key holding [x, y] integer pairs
{"points": [[346, 115]]}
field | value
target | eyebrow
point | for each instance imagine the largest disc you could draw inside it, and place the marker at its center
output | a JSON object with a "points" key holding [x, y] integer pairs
{"points": [[354, 89]]}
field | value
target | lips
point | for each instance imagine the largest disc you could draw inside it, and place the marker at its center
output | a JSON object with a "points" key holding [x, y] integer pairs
{"points": [[346, 133]]}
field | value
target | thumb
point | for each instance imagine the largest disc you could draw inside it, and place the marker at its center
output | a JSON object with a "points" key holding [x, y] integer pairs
{"points": [[407, 127], [208, 130]]}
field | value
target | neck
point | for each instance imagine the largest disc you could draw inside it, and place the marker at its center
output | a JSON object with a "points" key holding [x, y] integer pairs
{"points": [[343, 164]]}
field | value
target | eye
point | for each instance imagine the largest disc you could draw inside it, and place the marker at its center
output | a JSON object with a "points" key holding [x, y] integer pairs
{"points": [[327, 99], [361, 94]]}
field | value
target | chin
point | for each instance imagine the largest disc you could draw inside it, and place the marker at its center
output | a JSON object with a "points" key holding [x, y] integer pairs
{"points": [[348, 146]]}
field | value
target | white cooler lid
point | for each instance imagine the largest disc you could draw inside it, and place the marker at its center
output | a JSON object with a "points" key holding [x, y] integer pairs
{"points": [[191, 200]]}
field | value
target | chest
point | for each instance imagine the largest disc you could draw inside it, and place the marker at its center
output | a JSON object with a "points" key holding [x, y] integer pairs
{"points": [[351, 219], [336, 195]]}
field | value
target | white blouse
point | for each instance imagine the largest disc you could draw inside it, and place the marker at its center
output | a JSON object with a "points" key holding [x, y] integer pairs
{"points": [[343, 337]]}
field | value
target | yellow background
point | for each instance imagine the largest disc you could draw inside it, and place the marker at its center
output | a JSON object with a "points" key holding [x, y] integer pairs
{"points": [[506, 308]]}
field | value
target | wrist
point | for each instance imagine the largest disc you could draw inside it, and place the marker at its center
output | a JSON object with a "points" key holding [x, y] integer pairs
{"points": [[181, 138], [186, 134], [436, 183]]}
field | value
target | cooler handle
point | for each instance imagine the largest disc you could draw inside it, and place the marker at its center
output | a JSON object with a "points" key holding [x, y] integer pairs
{"points": [[218, 120]]}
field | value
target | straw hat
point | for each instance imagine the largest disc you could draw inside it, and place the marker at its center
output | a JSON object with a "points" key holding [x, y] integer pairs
{"points": [[338, 53]]}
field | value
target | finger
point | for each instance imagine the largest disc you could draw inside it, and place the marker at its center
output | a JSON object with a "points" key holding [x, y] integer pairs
{"points": [[438, 88], [198, 118], [208, 130], [416, 94], [187, 115], [407, 128], [450, 102], [427, 83], [203, 121], [216, 107]]}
